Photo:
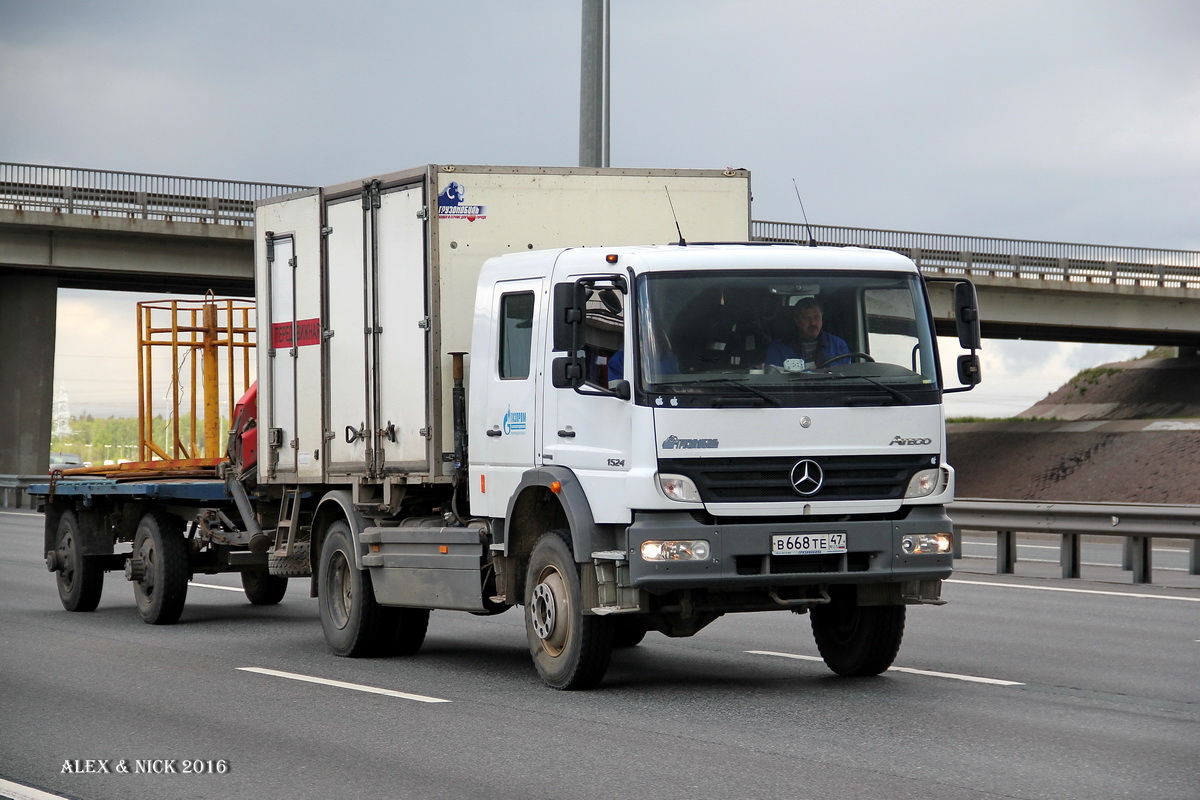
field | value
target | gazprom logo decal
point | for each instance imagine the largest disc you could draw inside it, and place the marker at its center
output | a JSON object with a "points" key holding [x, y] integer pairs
{"points": [[514, 423], [675, 443], [452, 205]]}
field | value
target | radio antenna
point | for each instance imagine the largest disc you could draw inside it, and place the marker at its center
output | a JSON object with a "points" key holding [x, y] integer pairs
{"points": [[682, 243], [812, 242]]}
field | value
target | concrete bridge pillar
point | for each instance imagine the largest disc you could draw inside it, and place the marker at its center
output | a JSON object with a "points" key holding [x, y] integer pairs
{"points": [[28, 310]]}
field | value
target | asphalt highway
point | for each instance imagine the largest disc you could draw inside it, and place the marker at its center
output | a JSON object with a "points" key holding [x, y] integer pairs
{"points": [[1019, 687]]}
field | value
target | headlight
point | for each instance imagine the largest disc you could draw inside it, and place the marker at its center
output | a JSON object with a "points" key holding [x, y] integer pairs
{"points": [[927, 543], [924, 483], [682, 550], [677, 487]]}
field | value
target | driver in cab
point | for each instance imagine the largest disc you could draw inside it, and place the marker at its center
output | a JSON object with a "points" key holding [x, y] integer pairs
{"points": [[808, 340]]}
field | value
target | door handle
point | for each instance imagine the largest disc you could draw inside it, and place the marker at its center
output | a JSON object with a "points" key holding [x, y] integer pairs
{"points": [[494, 432], [567, 434]]}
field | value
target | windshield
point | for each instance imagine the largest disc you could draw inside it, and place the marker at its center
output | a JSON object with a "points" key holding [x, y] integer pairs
{"points": [[785, 338]]}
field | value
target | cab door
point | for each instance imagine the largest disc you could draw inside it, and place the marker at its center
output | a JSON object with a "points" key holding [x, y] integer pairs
{"points": [[509, 430]]}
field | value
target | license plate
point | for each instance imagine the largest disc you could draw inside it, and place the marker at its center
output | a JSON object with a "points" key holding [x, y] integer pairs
{"points": [[807, 544]]}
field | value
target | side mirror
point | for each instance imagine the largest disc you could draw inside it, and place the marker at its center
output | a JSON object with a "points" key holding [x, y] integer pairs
{"points": [[966, 315]]}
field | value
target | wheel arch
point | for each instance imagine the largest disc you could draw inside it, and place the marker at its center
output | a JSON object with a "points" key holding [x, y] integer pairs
{"points": [[536, 507], [336, 505]]}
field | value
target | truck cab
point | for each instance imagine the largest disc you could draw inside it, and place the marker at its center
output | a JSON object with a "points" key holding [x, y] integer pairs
{"points": [[708, 457]]}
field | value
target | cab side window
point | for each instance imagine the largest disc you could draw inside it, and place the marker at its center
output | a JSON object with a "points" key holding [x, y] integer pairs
{"points": [[516, 335]]}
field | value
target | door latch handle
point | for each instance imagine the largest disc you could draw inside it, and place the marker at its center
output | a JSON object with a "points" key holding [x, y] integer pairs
{"points": [[567, 434], [494, 432]]}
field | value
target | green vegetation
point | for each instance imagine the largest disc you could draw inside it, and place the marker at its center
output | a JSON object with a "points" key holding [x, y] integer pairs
{"points": [[97, 440]]}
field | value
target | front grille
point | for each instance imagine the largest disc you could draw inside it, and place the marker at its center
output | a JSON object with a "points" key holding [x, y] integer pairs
{"points": [[768, 480]]}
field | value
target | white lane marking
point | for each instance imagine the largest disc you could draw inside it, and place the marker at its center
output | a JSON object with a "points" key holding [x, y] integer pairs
{"points": [[358, 687], [1076, 591], [15, 791], [911, 671], [214, 586]]}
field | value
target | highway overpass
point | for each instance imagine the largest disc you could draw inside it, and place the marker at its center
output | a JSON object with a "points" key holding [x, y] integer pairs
{"points": [[95, 229]]}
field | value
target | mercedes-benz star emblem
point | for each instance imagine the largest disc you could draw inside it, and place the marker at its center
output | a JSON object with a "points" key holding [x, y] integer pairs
{"points": [[807, 477]]}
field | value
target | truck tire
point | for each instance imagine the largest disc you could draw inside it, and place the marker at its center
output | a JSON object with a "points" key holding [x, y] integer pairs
{"points": [[628, 631], [570, 650], [856, 641], [80, 580], [160, 551], [262, 588], [354, 624], [410, 625]]}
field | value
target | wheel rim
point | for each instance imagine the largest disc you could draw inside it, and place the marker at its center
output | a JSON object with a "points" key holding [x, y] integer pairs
{"points": [[66, 557], [844, 624], [341, 590], [550, 611], [149, 558]]}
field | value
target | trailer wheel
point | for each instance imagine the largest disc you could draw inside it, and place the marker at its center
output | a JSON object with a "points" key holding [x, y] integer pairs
{"points": [[159, 568], [262, 588], [354, 624], [857, 641], [80, 580], [569, 649]]}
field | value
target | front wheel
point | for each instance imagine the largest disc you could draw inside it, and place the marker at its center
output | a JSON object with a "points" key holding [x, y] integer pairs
{"points": [[857, 641], [571, 650], [262, 588], [159, 568], [80, 581]]}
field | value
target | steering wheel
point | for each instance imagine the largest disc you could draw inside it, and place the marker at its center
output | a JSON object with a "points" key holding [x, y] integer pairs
{"points": [[828, 361]]}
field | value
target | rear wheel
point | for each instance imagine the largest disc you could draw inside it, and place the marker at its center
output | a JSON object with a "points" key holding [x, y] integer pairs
{"points": [[159, 568], [570, 650], [854, 640], [354, 624], [262, 588], [80, 581], [410, 627]]}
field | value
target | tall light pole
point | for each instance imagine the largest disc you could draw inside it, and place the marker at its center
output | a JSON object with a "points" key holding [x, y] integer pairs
{"points": [[594, 85]]}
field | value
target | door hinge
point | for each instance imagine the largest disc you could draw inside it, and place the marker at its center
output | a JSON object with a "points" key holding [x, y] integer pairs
{"points": [[423, 213], [292, 262], [426, 433], [328, 229], [424, 323]]}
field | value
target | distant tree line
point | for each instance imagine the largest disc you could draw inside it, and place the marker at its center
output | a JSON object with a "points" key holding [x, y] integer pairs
{"points": [[100, 439]]}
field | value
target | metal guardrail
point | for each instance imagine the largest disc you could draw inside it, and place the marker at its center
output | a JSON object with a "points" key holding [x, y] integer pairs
{"points": [[1138, 524], [96, 192], [981, 256], [13, 490]]}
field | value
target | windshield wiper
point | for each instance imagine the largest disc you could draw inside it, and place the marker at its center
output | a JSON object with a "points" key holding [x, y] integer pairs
{"points": [[770, 398], [896, 393]]}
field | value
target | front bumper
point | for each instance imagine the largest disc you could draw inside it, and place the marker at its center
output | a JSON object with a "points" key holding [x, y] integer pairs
{"points": [[741, 559]]}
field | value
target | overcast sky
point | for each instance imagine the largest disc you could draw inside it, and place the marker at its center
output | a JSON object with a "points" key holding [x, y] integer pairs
{"points": [[1059, 120]]}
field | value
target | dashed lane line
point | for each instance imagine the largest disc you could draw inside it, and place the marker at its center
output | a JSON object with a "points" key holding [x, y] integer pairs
{"points": [[17, 791], [358, 687], [909, 670]]}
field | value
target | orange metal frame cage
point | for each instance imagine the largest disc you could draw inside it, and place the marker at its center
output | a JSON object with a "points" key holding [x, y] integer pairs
{"points": [[211, 344]]}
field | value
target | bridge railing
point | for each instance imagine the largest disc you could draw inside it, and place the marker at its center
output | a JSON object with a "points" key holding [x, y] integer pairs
{"points": [[982, 256], [97, 192]]}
